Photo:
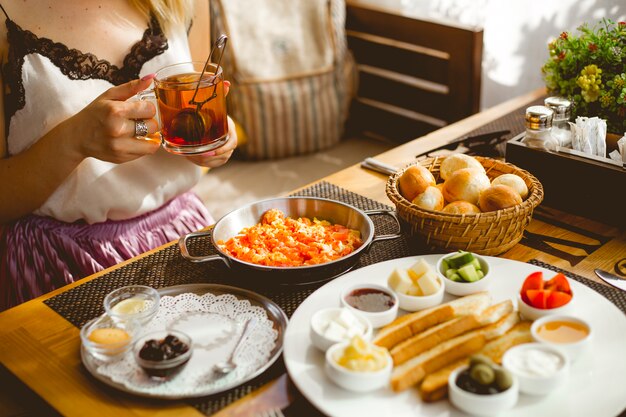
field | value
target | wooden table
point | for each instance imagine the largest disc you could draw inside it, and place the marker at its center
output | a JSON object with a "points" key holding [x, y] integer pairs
{"points": [[41, 348]]}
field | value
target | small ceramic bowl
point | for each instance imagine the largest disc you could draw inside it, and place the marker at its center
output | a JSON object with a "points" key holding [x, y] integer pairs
{"points": [[107, 339], [421, 302], [150, 353], [466, 288], [539, 368], [322, 339], [532, 313], [354, 380], [134, 302], [572, 349], [382, 297], [481, 405]]}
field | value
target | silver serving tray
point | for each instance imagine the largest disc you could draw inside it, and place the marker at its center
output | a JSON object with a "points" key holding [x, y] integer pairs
{"points": [[274, 313]]}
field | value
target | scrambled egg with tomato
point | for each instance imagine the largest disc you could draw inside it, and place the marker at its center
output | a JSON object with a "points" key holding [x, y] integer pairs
{"points": [[284, 242]]}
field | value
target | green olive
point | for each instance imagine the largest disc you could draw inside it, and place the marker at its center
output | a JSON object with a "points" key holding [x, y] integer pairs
{"points": [[478, 358], [483, 374], [504, 379]]}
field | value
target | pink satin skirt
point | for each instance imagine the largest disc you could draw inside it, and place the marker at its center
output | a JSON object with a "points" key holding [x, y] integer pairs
{"points": [[40, 254]]}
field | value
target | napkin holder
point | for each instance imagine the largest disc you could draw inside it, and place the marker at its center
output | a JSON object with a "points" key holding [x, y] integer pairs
{"points": [[581, 184]]}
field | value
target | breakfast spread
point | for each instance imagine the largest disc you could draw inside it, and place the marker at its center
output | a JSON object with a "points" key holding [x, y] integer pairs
{"points": [[420, 279], [344, 325], [484, 377], [371, 300], [546, 294], [361, 356], [286, 242], [466, 187], [462, 267], [562, 331], [109, 336], [535, 362]]}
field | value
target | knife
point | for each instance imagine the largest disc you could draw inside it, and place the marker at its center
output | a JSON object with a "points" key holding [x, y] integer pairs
{"points": [[611, 279]]}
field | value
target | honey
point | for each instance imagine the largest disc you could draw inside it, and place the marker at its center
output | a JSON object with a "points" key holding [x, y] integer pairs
{"points": [[559, 331]]}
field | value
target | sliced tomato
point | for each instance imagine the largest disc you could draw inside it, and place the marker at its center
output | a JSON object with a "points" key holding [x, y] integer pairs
{"points": [[558, 299], [538, 298], [559, 283], [533, 281]]}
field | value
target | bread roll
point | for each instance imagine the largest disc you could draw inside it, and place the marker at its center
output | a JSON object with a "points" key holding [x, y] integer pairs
{"points": [[461, 207], [430, 199], [514, 181], [415, 180], [465, 184], [498, 197], [458, 161]]}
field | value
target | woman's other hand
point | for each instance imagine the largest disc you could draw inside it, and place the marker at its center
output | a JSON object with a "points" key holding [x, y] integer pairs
{"points": [[219, 156], [105, 129]]}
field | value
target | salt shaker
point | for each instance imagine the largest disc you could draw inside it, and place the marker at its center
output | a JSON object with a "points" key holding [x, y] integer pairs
{"points": [[538, 121], [561, 129]]}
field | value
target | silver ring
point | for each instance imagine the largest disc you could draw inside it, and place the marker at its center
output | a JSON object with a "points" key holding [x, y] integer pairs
{"points": [[141, 129]]}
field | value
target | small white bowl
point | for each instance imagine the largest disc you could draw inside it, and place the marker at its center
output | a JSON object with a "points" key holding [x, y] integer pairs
{"points": [[532, 313], [572, 350], [481, 405], [466, 288], [379, 318], [421, 302], [134, 302], [516, 359], [321, 317], [353, 380]]}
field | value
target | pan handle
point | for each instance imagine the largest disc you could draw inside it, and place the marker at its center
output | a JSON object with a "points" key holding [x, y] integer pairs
{"points": [[391, 213], [182, 244]]}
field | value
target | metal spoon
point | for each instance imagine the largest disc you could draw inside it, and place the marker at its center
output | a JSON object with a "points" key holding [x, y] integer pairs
{"points": [[229, 365]]}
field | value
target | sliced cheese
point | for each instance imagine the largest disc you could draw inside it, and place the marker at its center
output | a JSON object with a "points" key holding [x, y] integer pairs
{"points": [[400, 281], [419, 268], [428, 283]]}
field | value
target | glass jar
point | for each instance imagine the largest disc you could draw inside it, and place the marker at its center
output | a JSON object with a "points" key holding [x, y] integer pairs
{"points": [[561, 129], [538, 121]]}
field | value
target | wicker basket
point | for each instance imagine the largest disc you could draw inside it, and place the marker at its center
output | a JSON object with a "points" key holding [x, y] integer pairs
{"points": [[488, 233]]}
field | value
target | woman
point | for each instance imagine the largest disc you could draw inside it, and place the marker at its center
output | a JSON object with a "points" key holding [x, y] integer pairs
{"points": [[80, 191]]}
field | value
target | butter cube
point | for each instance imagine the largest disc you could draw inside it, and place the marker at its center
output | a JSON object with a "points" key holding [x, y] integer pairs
{"points": [[428, 283], [399, 280], [335, 331], [348, 321], [418, 269]]}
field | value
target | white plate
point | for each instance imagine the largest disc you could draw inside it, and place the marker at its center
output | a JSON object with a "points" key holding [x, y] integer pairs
{"points": [[590, 390]]}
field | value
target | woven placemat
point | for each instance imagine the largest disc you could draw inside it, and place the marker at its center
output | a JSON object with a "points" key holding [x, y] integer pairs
{"points": [[614, 295], [167, 268]]}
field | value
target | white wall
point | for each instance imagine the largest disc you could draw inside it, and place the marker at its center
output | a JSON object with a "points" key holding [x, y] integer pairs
{"points": [[516, 34]]}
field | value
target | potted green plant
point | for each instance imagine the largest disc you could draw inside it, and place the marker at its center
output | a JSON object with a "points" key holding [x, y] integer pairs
{"points": [[590, 69]]}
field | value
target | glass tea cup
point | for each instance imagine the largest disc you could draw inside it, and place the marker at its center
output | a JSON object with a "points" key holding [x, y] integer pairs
{"points": [[192, 114]]}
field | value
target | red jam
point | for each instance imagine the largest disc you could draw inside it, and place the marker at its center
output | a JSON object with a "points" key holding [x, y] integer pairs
{"points": [[370, 299]]}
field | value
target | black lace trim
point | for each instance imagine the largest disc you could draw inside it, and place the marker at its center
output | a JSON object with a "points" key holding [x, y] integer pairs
{"points": [[73, 63]]}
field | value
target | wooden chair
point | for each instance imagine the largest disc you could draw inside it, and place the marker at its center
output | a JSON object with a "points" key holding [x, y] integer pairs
{"points": [[415, 76]]}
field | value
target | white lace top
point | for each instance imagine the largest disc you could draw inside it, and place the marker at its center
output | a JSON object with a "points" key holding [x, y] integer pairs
{"points": [[49, 82]]}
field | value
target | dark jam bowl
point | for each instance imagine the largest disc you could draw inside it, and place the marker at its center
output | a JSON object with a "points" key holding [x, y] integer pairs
{"points": [[378, 304], [163, 354]]}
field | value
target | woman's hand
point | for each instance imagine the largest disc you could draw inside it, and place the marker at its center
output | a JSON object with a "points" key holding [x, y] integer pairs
{"points": [[105, 129], [221, 155]]}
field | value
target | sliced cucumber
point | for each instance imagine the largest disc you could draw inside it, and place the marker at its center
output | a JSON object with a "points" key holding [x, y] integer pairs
{"points": [[444, 266], [469, 273], [476, 264], [459, 259], [455, 277], [450, 271]]}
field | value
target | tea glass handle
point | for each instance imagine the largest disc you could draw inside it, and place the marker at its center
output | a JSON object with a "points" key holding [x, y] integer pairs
{"points": [[150, 95]]}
